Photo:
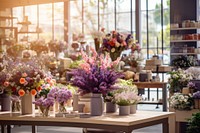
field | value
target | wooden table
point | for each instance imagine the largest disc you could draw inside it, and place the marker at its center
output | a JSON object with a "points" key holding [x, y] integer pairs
{"points": [[112, 122], [163, 85]]}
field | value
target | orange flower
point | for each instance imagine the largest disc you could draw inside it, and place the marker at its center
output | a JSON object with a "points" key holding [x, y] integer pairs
{"points": [[33, 92], [22, 80], [39, 88], [21, 92]]}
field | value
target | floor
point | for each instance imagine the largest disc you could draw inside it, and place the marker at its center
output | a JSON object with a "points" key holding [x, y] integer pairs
{"points": [[152, 129]]}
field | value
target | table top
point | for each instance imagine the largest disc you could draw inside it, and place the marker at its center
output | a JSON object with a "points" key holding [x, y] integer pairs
{"points": [[106, 119], [150, 84]]}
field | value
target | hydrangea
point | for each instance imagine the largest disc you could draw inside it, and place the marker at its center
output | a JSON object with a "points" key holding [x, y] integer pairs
{"points": [[181, 101], [196, 95]]}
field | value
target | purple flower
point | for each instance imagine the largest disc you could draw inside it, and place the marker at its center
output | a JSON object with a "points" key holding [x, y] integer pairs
{"points": [[63, 95], [96, 80], [196, 95], [191, 85]]}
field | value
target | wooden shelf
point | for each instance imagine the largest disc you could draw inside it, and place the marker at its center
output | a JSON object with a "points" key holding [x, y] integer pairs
{"points": [[187, 28], [183, 54], [184, 40], [24, 23], [30, 32], [5, 17]]}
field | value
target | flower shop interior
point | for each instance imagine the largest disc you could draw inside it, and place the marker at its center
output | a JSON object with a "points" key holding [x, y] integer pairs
{"points": [[99, 66]]}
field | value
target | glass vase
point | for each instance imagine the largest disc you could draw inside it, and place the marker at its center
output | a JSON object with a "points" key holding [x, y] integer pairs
{"points": [[62, 108], [44, 111]]}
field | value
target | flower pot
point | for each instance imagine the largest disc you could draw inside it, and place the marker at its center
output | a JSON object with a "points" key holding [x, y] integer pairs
{"points": [[96, 105], [97, 44], [27, 104], [5, 102], [185, 90], [111, 107], [133, 109], [124, 110]]}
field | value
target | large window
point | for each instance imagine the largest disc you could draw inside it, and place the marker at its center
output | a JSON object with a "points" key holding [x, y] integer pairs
{"points": [[47, 21]]}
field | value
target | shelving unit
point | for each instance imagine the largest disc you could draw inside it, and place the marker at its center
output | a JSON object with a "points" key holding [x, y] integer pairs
{"points": [[7, 30], [178, 46]]}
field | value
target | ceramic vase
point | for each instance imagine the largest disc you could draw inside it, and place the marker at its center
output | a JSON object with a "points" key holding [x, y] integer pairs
{"points": [[133, 109], [124, 110], [96, 104], [27, 106], [5, 102], [111, 107]]}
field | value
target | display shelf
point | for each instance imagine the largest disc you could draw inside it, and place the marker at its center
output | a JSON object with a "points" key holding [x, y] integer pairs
{"points": [[183, 53], [5, 17], [187, 28], [29, 32], [24, 23], [184, 41]]}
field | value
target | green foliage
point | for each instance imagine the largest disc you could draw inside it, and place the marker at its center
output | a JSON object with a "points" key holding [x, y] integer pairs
{"points": [[194, 124]]}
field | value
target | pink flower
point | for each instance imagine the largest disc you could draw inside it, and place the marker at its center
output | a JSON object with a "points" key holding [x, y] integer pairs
{"points": [[6, 84], [85, 66], [24, 75]]}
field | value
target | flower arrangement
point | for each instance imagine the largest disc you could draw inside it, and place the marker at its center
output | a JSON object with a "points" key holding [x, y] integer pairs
{"points": [[196, 95], [178, 79], [98, 36], [181, 101], [25, 78], [127, 93], [15, 50], [4, 82], [56, 46], [194, 71], [39, 46], [95, 75], [114, 43], [44, 104], [15, 103], [184, 61]]}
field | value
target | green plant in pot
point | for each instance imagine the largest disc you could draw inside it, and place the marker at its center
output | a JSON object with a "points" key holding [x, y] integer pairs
{"points": [[194, 124]]}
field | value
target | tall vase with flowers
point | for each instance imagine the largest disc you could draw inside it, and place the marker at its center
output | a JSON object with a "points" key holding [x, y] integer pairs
{"points": [[114, 43], [95, 76], [25, 81]]}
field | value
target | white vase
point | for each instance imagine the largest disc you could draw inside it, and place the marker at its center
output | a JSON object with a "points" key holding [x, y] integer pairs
{"points": [[27, 106], [124, 110]]}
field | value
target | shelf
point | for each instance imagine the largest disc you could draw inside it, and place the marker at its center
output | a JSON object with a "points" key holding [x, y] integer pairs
{"points": [[4, 17], [30, 32], [184, 40], [187, 28], [183, 53], [150, 102], [24, 23]]}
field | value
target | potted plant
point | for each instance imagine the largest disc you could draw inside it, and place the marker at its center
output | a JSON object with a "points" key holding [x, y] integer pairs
{"points": [[194, 123]]}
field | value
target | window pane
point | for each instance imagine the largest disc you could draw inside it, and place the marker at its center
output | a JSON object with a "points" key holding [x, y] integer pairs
{"points": [[123, 16], [45, 21], [107, 18], [90, 18], [75, 17], [59, 21]]}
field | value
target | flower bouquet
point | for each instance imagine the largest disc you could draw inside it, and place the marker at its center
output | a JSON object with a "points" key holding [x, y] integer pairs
{"points": [[114, 43], [39, 46], [181, 101], [95, 75], [25, 78], [178, 79], [184, 61], [44, 104], [15, 50], [98, 36], [61, 95]]}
